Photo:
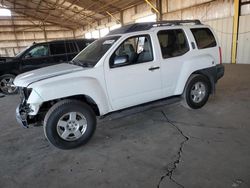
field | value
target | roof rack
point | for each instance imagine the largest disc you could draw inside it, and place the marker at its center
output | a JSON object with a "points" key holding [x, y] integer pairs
{"points": [[148, 25], [177, 22]]}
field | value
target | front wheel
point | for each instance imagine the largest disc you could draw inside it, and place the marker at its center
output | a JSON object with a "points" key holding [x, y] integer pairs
{"points": [[6, 84], [196, 92], [69, 124]]}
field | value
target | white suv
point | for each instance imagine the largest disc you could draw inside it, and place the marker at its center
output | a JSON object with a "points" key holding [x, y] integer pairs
{"points": [[135, 64]]}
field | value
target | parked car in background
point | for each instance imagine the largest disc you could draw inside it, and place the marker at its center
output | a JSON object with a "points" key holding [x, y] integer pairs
{"points": [[37, 56]]}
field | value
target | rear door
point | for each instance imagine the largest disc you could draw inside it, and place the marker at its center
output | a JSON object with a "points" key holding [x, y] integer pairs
{"points": [[36, 57], [174, 47], [58, 52]]}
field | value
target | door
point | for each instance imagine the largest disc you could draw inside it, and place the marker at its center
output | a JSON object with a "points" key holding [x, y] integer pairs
{"points": [[174, 46], [58, 52], [36, 57], [133, 75]]}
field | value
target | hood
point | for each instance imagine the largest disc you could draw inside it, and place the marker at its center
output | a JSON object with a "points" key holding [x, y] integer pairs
{"points": [[6, 59], [25, 79]]}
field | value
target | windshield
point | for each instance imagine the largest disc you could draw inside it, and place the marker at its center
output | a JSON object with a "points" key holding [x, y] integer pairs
{"points": [[94, 52], [22, 52]]}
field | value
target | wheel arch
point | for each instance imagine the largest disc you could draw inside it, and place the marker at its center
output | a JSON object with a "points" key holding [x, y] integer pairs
{"points": [[88, 90], [83, 98], [210, 77], [208, 73]]}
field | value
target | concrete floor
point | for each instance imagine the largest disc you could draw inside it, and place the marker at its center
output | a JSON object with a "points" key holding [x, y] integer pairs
{"points": [[167, 146]]}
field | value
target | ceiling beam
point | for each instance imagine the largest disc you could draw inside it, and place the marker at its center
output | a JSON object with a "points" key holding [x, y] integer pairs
{"points": [[43, 13]]}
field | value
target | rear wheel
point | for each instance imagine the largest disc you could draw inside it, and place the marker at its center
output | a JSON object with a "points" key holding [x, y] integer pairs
{"points": [[196, 92], [69, 124], [6, 84]]}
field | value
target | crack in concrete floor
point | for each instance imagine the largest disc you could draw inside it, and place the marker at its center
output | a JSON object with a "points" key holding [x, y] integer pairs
{"points": [[173, 165]]}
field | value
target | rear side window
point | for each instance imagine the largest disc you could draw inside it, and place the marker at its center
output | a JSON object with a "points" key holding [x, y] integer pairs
{"points": [[71, 48], [57, 48], [173, 43], [204, 38]]}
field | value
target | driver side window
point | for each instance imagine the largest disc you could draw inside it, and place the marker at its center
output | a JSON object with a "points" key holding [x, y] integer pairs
{"points": [[38, 51], [133, 50]]}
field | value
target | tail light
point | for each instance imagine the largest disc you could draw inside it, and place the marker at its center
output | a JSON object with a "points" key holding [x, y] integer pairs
{"points": [[220, 55]]}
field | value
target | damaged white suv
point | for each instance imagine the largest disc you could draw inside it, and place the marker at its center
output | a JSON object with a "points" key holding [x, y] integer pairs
{"points": [[135, 64]]}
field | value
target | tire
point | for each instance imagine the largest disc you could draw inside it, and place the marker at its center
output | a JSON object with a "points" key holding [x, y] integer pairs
{"points": [[6, 82], [196, 92], [69, 124]]}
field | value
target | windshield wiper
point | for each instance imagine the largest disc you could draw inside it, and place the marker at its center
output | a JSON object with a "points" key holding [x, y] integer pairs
{"points": [[81, 63]]}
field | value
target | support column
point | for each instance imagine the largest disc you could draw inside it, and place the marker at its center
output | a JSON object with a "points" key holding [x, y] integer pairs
{"points": [[44, 32], [159, 8], [73, 32], [121, 18], [15, 34], [235, 29]]}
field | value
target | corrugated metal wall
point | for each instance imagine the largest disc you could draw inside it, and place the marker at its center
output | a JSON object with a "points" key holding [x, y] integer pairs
{"points": [[223, 29], [243, 49]]}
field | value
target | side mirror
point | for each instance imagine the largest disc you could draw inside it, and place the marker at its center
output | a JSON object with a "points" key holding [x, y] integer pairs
{"points": [[119, 60], [28, 55]]}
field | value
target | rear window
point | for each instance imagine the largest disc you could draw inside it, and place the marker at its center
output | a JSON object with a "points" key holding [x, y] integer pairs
{"points": [[204, 38]]}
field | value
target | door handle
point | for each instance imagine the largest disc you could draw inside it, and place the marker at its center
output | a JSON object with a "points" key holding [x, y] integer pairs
{"points": [[153, 68]]}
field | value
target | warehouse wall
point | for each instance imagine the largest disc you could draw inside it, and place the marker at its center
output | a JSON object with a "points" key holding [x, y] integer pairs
{"points": [[243, 49], [171, 9], [18, 32]]}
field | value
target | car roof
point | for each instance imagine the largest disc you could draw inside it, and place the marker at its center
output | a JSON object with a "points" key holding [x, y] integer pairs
{"points": [[149, 25], [65, 40]]}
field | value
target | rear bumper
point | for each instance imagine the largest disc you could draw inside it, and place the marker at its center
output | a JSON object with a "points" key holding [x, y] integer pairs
{"points": [[219, 71]]}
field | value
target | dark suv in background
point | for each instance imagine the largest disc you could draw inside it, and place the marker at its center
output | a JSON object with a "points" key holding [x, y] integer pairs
{"points": [[37, 56]]}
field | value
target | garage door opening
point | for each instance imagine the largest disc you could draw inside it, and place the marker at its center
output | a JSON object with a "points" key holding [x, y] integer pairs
{"points": [[5, 12]]}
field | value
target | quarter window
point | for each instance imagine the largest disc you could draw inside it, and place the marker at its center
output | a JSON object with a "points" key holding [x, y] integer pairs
{"points": [[133, 50], [204, 38], [173, 43]]}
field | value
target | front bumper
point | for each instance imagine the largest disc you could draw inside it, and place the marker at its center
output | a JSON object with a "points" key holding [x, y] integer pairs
{"points": [[21, 116], [23, 109]]}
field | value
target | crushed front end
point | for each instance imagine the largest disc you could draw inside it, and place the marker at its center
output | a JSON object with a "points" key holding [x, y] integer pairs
{"points": [[23, 109]]}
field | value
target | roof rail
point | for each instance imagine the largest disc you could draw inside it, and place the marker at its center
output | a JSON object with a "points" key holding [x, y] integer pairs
{"points": [[148, 25], [176, 22]]}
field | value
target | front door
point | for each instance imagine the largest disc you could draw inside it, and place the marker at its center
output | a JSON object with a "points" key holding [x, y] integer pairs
{"points": [[133, 76], [36, 57]]}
